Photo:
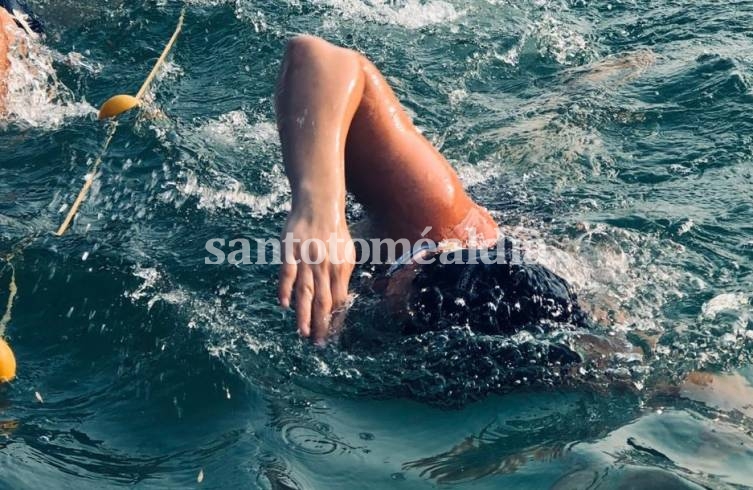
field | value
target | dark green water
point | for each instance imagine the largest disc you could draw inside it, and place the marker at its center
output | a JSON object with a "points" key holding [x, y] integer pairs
{"points": [[613, 136]]}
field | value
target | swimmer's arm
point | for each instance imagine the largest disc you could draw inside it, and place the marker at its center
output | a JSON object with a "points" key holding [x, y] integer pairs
{"points": [[315, 105]]}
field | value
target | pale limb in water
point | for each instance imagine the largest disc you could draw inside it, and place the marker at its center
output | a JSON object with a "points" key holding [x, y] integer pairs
{"points": [[723, 391], [7, 37]]}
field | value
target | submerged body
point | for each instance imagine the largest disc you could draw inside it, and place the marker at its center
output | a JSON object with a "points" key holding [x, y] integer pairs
{"points": [[23, 17]]}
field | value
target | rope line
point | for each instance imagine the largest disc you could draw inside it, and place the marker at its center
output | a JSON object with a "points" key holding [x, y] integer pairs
{"points": [[12, 291], [89, 181], [13, 286], [113, 128], [163, 57]]}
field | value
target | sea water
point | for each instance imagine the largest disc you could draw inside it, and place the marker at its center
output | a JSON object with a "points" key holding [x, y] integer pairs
{"points": [[612, 138]]}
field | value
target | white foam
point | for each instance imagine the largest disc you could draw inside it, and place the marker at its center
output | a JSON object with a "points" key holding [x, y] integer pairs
{"points": [[150, 277], [558, 40], [686, 226], [724, 302], [411, 14], [218, 190], [611, 269], [233, 194], [479, 173], [149, 289], [457, 96], [234, 128], [553, 38], [209, 3], [512, 56], [78, 62]]}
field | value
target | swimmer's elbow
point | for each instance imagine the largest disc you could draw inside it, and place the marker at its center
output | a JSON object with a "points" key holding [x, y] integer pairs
{"points": [[303, 48]]}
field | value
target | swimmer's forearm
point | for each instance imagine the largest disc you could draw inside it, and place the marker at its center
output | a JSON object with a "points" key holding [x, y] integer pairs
{"points": [[318, 92], [308, 200], [316, 174]]}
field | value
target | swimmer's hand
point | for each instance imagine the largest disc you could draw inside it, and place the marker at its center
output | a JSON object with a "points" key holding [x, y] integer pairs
{"points": [[318, 259]]}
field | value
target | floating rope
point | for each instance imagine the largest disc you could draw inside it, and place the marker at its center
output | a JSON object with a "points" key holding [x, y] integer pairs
{"points": [[7, 358], [88, 182], [163, 56], [12, 291], [114, 107], [13, 287]]}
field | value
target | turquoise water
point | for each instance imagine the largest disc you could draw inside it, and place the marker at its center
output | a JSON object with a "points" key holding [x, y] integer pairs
{"points": [[612, 137]]}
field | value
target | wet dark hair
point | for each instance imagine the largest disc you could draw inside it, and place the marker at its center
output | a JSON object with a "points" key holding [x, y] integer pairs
{"points": [[19, 6], [499, 297], [451, 336]]}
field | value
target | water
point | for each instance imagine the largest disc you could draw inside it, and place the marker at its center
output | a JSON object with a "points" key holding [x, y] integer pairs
{"points": [[612, 137]]}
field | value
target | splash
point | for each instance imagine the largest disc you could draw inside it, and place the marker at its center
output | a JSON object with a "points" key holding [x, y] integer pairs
{"points": [[724, 302], [559, 41], [456, 365], [622, 276], [233, 194], [36, 98], [234, 128], [151, 289], [410, 14], [233, 136]]}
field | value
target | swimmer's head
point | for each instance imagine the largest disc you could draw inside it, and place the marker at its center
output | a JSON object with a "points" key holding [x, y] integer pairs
{"points": [[494, 297], [23, 16], [478, 319]]}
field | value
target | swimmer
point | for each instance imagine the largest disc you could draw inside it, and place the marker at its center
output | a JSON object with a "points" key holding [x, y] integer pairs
{"points": [[16, 21], [342, 127]]}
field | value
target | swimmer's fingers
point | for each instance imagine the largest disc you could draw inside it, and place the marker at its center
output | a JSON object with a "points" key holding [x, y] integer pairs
{"points": [[322, 306], [340, 275], [304, 295], [288, 272], [339, 287]]}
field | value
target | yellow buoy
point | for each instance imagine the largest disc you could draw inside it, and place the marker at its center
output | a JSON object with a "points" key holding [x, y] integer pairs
{"points": [[118, 105], [7, 362]]}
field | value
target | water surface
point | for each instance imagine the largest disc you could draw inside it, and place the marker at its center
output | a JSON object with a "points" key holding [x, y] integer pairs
{"points": [[613, 137]]}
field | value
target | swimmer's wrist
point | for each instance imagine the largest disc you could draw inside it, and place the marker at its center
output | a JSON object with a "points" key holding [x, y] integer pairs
{"points": [[318, 199]]}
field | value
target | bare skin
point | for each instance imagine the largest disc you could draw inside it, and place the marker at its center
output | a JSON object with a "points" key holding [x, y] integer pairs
{"points": [[7, 29], [341, 127]]}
